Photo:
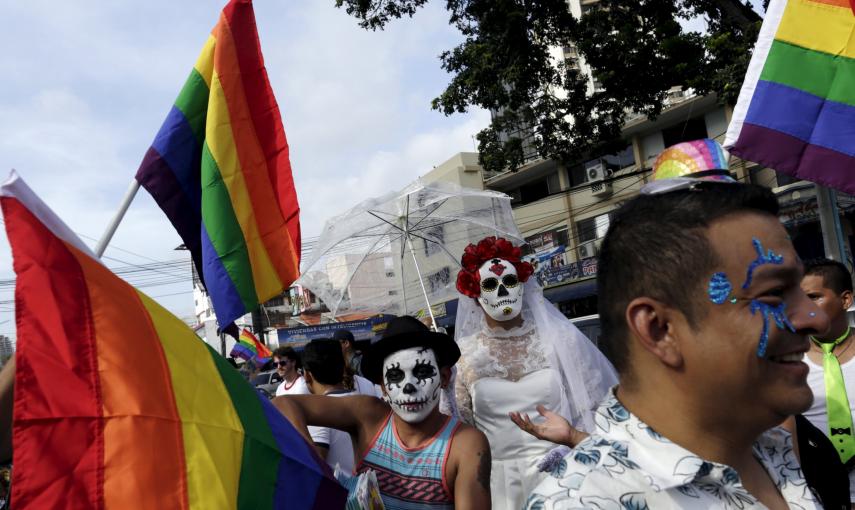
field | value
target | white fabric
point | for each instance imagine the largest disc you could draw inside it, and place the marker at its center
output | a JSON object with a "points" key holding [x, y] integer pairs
{"points": [[363, 386], [818, 413], [583, 374], [15, 187], [546, 360], [771, 20], [340, 445], [515, 453], [297, 387]]}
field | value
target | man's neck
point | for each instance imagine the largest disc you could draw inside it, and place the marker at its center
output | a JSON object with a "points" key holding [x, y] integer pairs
{"points": [[326, 389], [290, 377], [509, 324], [416, 434], [836, 331], [675, 416]]}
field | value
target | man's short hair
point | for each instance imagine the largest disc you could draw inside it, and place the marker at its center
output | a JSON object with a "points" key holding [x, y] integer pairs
{"points": [[324, 360], [657, 246], [835, 275], [343, 335], [287, 352]]}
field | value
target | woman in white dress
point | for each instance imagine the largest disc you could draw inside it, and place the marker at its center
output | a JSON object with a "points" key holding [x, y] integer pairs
{"points": [[518, 352]]}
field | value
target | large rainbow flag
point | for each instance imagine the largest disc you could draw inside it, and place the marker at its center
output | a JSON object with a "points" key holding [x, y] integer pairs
{"points": [[119, 405], [248, 347], [219, 169], [796, 110]]}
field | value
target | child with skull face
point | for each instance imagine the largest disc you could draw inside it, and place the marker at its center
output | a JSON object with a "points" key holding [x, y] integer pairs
{"points": [[404, 437]]}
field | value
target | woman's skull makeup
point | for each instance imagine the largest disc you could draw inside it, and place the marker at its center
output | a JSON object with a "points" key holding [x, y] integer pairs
{"points": [[501, 289], [412, 382]]}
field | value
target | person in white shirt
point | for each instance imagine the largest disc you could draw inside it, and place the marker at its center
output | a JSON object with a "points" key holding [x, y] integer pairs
{"points": [[287, 363], [705, 320], [829, 284], [323, 366]]}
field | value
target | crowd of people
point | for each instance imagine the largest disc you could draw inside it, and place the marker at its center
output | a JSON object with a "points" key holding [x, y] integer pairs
{"points": [[723, 379], [725, 384]]}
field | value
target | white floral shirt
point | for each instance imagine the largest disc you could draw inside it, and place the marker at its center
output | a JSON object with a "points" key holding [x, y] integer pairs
{"points": [[626, 465]]}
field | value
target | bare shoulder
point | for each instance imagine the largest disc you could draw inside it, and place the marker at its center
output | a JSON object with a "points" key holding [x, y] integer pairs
{"points": [[468, 439], [469, 443], [470, 466]]}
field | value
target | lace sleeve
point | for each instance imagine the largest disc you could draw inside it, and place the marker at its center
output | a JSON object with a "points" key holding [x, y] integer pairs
{"points": [[464, 399]]}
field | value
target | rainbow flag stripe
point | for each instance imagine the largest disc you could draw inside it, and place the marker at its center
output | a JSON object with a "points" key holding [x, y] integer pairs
{"points": [[796, 109], [219, 169], [119, 405], [248, 347]]}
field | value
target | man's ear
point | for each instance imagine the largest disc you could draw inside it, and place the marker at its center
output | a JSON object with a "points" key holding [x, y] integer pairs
{"points": [[307, 376], [846, 297], [444, 376], [651, 327]]}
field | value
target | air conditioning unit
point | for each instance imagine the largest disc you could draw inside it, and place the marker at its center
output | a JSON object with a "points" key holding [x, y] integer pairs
{"points": [[596, 176], [588, 249]]}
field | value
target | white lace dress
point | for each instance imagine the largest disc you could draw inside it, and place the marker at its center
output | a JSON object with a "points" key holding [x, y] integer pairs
{"points": [[502, 371]]}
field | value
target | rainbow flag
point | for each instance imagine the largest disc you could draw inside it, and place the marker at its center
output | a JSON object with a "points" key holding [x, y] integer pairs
{"points": [[249, 348], [219, 169], [796, 109], [119, 405]]}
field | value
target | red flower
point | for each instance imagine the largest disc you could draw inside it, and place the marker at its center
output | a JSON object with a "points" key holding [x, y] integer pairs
{"points": [[468, 283], [468, 280]]}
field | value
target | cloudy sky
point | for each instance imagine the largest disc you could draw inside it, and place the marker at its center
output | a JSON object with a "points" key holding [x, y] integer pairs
{"points": [[86, 85]]}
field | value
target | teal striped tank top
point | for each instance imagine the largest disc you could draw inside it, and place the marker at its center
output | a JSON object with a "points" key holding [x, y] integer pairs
{"points": [[411, 478]]}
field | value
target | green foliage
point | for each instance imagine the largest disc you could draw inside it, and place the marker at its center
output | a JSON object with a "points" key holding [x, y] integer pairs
{"points": [[637, 50]]}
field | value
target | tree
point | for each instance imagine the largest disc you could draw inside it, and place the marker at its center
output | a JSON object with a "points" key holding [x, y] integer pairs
{"points": [[637, 50]]}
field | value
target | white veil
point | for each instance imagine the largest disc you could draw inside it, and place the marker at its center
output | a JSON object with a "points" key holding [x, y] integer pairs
{"points": [[583, 373]]}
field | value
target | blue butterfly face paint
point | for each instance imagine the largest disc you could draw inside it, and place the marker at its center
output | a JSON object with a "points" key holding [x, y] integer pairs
{"points": [[762, 259], [719, 288], [778, 313]]}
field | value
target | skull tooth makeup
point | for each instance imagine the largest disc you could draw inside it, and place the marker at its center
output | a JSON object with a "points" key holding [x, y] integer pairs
{"points": [[501, 290], [412, 381]]}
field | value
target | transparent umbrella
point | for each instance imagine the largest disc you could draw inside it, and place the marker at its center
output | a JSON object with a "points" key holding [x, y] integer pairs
{"points": [[399, 253]]}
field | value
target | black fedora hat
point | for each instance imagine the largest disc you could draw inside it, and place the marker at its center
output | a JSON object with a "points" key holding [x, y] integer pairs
{"points": [[403, 333]]}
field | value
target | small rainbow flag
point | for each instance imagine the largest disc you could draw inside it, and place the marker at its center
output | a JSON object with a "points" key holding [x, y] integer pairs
{"points": [[119, 405], [249, 348], [796, 110], [219, 169]]}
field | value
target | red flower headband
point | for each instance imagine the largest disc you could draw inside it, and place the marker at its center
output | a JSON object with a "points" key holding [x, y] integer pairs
{"points": [[474, 256]]}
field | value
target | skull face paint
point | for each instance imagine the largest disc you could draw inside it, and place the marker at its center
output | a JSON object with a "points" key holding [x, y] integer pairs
{"points": [[412, 382], [501, 290]]}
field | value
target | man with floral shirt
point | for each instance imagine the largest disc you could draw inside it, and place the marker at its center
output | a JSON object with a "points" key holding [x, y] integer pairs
{"points": [[706, 323]]}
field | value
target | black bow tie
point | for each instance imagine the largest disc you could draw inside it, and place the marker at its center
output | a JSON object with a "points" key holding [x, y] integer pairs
{"points": [[835, 432]]}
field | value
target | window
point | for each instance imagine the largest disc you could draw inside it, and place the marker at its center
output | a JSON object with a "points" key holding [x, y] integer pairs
{"points": [[393, 292], [578, 175], [620, 159], [617, 161], [390, 274], [553, 183], [436, 234], [784, 179], [590, 229], [534, 191], [692, 129], [438, 280]]}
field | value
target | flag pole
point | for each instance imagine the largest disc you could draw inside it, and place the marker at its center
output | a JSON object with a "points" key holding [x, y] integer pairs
{"points": [[114, 224]]}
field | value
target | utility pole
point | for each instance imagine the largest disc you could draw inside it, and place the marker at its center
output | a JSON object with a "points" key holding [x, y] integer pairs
{"points": [[829, 220], [258, 325]]}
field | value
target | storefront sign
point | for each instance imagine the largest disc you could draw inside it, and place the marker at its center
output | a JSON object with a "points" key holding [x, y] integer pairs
{"points": [[366, 329], [574, 271]]}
